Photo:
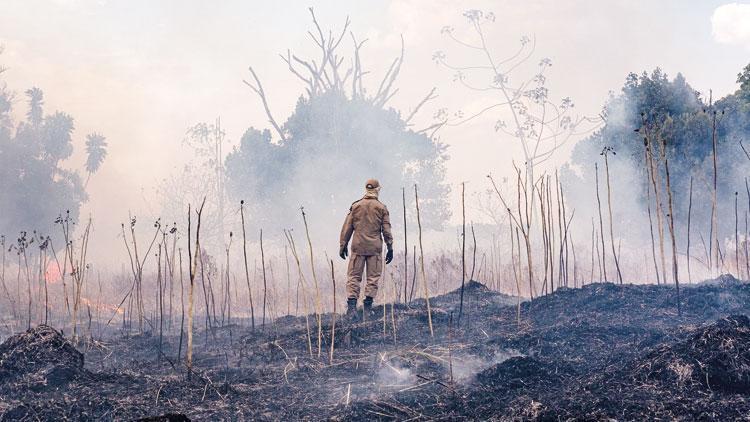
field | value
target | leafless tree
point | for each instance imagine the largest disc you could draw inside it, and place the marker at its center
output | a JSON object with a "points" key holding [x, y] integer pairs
{"points": [[540, 125], [329, 73]]}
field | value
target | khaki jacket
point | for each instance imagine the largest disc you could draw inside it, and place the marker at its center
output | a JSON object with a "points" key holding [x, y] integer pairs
{"points": [[367, 219]]}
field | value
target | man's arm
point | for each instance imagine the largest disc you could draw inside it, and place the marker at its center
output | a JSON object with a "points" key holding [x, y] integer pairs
{"points": [[387, 236], [346, 230]]}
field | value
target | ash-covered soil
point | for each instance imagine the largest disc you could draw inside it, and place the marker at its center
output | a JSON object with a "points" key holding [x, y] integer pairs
{"points": [[600, 352]]}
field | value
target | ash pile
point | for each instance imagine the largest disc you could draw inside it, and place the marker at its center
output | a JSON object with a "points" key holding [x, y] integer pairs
{"points": [[714, 358], [704, 375], [39, 359]]}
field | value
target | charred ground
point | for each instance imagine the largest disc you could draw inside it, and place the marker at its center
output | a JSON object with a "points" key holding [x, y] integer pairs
{"points": [[601, 351]]}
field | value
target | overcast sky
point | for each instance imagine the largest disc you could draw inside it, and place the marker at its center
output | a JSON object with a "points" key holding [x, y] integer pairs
{"points": [[141, 72]]}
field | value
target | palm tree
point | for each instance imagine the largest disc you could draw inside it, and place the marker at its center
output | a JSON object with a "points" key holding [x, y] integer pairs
{"points": [[96, 148], [35, 114]]}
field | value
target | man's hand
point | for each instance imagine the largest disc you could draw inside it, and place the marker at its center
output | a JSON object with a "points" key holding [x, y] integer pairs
{"points": [[343, 252], [389, 255]]}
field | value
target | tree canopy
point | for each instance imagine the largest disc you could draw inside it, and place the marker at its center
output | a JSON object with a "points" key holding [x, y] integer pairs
{"points": [[333, 144], [687, 119], [35, 187]]}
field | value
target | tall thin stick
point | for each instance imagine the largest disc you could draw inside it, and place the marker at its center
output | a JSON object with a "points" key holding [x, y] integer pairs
{"points": [[714, 203], [300, 282], [406, 246], [690, 211], [247, 273], [651, 221], [192, 263], [655, 178], [515, 272], [671, 226], [601, 223], [421, 263], [288, 283], [473, 253], [463, 251], [592, 250], [265, 286], [315, 281], [747, 257], [736, 238], [414, 273], [606, 152], [333, 317], [182, 307]]}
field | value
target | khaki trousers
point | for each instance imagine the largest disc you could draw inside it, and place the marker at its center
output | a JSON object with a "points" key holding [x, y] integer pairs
{"points": [[357, 264]]}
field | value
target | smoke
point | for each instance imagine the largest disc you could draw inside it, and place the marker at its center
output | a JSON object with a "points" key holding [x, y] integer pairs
{"points": [[674, 113], [391, 374], [466, 366]]}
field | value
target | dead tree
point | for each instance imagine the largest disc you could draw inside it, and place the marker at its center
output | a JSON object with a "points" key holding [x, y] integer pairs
{"points": [[540, 125], [327, 73]]}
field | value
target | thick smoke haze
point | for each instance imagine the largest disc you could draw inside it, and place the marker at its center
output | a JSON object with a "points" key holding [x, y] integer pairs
{"points": [[141, 74]]}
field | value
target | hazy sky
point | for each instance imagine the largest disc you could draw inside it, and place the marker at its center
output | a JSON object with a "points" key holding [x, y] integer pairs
{"points": [[141, 72]]}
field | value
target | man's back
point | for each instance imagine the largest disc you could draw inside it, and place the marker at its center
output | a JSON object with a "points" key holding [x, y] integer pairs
{"points": [[369, 218]]}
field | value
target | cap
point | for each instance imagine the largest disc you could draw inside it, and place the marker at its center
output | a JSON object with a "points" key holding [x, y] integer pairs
{"points": [[372, 184]]}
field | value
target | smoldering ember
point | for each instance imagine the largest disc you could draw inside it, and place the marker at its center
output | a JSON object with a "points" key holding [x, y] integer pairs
{"points": [[374, 210]]}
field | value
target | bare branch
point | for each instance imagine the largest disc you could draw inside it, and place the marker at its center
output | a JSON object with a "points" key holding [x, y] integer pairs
{"points": [[383, 92], [357, 68], [430, 96], [288, 61], [463, 43], [433, 127], [477, 114], [258, 88]]}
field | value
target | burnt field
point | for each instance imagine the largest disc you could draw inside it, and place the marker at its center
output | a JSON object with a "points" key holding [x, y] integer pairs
{"points": [[603, 351]]}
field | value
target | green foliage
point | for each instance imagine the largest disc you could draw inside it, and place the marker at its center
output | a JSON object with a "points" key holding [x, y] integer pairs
{"points": [[743, 79], [686, 121], [34, 187], [96, 149]]}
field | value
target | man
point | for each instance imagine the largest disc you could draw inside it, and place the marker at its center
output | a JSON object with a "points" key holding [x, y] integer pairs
{"points": [[367, 224]]}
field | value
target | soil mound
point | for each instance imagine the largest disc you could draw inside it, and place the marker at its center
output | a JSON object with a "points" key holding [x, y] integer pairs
{"points": [[716, 357], [40, 357], [520, 372], [472, 287]]}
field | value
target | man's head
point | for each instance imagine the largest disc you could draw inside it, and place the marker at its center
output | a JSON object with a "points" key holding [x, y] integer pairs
{"points": [[372, 188], [372, 184]]}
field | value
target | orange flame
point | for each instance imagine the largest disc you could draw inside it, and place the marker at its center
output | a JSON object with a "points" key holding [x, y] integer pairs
{"points": [[53, 274]]}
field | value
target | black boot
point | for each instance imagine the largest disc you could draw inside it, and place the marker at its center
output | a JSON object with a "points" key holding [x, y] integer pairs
{"points": [[351, 308], [367, 308]]}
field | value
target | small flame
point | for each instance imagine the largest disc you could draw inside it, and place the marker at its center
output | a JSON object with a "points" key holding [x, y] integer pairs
{"points": [[101, 306], [53, 275]]}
